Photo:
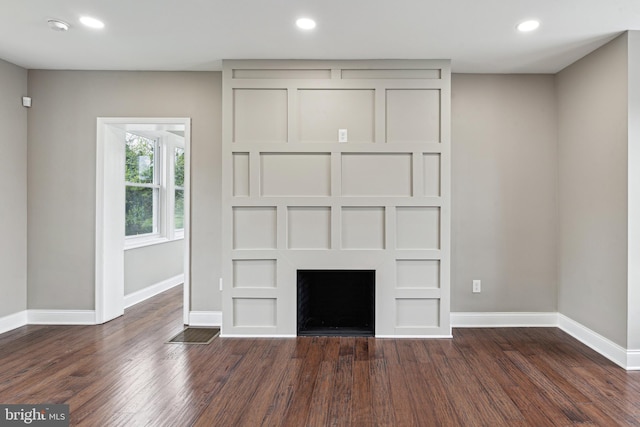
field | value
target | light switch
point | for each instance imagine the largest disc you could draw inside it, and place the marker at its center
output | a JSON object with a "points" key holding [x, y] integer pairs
{"points": [[342, 135]]}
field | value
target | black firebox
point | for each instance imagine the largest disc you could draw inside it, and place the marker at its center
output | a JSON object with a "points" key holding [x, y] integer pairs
{"points": [[336, 302]]}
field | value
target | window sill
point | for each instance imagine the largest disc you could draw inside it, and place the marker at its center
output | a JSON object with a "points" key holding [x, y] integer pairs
{"points": [[141, 243]]}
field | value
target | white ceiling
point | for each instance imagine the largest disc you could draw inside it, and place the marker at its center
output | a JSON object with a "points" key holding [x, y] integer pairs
{"points": [[478, 35]]}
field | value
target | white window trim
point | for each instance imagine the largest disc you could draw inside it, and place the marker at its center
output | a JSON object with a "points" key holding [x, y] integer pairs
{"points": [[144, 240]]}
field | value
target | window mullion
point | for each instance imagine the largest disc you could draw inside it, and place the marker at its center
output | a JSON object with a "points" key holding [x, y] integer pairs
{"points": [[137, 184], [170, 195]]}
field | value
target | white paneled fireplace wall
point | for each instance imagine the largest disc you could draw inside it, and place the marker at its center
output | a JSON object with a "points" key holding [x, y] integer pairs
{"points": [[295, 198]]}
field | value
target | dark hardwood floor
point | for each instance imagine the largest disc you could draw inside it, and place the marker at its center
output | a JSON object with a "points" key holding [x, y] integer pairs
{"points": [[123, 373]]}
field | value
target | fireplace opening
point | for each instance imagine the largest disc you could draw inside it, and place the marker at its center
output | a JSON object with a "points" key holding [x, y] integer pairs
{"points": [[336, 302]]}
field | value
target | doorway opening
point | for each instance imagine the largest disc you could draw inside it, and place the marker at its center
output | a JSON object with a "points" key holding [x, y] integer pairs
{"points": [[142, 206]]}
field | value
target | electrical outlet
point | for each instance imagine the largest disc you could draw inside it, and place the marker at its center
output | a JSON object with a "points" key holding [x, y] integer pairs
{"points": [[343, 135], [477, 286]]}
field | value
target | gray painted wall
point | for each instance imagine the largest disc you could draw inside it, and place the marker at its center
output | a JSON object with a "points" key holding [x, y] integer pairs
{"points": [[13, 187], [62, 155], [504, 178], [592, 157], [633, 296], [148, 265], [504, 205]]}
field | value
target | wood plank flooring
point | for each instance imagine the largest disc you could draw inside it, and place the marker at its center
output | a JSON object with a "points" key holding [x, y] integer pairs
{"points": [[124, 374]]}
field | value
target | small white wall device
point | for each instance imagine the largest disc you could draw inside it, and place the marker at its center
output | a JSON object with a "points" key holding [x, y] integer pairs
{"points": [[26, 101]]}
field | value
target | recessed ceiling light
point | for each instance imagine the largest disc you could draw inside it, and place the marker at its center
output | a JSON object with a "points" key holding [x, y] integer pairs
{"points": [[57, 25], [306, 23], [91, 22], [527, 26]]}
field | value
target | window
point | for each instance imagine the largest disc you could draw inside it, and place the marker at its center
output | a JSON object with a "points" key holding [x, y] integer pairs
{"points": [[141, 186], [154, 187], [178, 210]]}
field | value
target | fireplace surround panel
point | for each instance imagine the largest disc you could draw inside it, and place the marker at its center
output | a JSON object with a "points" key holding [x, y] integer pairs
{"points": [[296, 199]]}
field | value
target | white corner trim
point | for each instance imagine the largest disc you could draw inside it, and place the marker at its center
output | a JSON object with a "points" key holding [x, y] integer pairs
{"points": [[633, 360], [205, 318], [597, 342], [153, 290], [13, 321], [503, 319], [61, 317]]}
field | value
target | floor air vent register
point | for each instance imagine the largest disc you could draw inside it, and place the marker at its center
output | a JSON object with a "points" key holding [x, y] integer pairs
{"points": [[195, 336]]}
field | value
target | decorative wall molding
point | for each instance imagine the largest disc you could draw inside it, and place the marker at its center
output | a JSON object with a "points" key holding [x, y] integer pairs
{"points": [[13, 321], [153, 290], [299, 193], [205, 318], [61, 317], [503, 319]]}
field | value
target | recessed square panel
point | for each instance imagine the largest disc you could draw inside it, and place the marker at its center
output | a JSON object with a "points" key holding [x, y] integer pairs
{"points": [[260, 115], [376, 174], [418, 227], [363, 228], [295, 174], [417, 273], [417, 313], [391, 74], [241, 174], [324, 111], [254, 227], [254, 273], [431, 171], [413, 115], [287, 74], [309, 227], [254, 312]]}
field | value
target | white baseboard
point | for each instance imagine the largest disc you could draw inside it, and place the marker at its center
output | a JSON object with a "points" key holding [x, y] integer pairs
{"points": [[61, 317], [257, 336], [627, 359], [503, 320], [205, 318], [13, 321], [612, 351], [633, 360], [153, 290], [414, 337]]}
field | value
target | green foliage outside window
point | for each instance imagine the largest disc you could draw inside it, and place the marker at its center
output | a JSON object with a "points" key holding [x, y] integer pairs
{"points": [[179, 192], [179, 210], [179, 167], [139, 211], [139, 168]]}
